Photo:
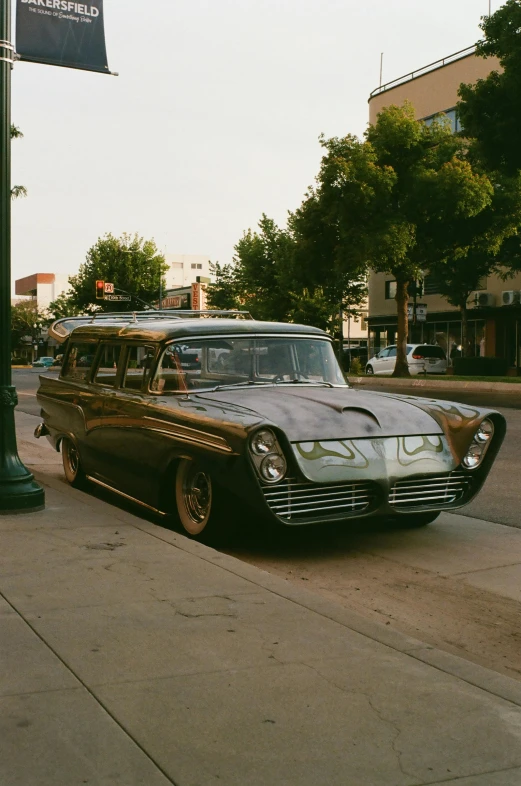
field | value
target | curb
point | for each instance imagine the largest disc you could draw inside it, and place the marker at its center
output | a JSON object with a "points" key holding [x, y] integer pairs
{"points": [[478, 676], [441, 384]]}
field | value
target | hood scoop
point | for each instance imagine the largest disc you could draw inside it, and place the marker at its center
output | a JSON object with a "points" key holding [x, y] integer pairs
{"points": [[362, 411]]}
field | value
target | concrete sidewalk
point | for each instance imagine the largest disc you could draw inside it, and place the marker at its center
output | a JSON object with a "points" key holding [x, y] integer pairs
{"points": [[133, 656]]}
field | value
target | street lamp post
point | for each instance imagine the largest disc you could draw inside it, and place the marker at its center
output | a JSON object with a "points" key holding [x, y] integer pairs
{"points": [[18, 490]]}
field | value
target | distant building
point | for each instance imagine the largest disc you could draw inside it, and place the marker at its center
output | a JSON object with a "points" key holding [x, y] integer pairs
{"points": [[495, 308], [42, 288], [184, 269]]}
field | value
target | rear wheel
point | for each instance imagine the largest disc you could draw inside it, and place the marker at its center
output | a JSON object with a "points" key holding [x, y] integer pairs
{"points": [[369, 370], [72, 464], [199, 503]]}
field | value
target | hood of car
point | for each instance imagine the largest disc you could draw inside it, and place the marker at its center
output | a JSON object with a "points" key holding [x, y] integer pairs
{"points": [[308, 414]]}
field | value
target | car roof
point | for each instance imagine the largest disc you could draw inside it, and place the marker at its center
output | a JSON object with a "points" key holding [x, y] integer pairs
{"points": [[164, 330]]}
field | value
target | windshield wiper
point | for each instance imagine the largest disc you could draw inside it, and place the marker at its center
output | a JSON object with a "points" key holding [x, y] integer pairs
{"points": [[233, 385], [303, 382]]}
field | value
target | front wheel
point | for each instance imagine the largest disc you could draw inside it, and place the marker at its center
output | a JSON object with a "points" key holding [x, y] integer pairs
{"points": [[199, 504], [71, 464], [369, 370]]}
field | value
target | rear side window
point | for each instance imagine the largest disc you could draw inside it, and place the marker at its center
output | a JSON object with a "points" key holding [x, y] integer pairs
{"points": [[79, 362], [429, 351], [140, 360], [107, 370]]}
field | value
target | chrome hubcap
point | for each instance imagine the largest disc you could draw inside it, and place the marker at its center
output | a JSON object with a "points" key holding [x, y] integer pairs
{"points": [[74, 461], [198, 495]]}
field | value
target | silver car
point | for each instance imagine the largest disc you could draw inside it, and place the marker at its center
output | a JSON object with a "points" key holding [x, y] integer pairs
{"points": [[421, 359]]}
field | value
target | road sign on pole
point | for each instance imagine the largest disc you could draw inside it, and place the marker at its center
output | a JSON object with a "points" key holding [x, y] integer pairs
{"points": [[421, 312], [109, 288], [118, 298]]}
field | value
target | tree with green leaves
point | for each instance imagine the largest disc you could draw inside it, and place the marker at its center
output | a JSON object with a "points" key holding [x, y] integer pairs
{"points": [[17, 191], [131, 263], [490, 109], [329, 279], [252, 282], [62, 307], [480, 246], [26, 323], [287, 274], [391, 196]]}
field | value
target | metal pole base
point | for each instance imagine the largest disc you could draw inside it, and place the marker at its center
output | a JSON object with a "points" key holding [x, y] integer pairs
{"points": [[19, 492]]}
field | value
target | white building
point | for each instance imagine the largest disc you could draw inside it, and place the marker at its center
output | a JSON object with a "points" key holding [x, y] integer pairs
{"points": [[184, 269], [43, 288]]}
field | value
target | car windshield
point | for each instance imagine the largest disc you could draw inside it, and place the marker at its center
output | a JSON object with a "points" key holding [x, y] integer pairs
{"points": [[214, 363]]}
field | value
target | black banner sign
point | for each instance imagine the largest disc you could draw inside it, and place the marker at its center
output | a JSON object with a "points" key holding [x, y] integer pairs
{"points": [[62, 33]]}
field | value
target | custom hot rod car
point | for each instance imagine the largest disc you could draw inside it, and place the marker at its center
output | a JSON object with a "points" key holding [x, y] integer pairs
{"points": [[263, 418]]}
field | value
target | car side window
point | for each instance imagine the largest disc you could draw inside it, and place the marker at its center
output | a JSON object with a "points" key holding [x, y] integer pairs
{"points": [[383, 354], [107, 371], [140, 360], [391, 353], [79, 361]]}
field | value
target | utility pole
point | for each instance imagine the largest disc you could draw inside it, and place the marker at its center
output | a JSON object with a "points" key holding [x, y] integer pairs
{"points": [[18, 490]]}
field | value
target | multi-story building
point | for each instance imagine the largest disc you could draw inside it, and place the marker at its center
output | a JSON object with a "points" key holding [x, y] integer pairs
{"points": [[495, 310], [184, 269], [43, 288]]}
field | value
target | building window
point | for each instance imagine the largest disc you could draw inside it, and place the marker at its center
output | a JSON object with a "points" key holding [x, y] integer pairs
{"points": [[450, 114], [196, 266], [431, 285], [390, 290]]}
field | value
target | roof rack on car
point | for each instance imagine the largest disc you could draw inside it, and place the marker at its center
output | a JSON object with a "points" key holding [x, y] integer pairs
{"points": [[61, 329], [166, 313]]}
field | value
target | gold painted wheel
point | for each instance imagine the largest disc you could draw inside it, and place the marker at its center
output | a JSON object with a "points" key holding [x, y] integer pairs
{"points": [[72, 463]]}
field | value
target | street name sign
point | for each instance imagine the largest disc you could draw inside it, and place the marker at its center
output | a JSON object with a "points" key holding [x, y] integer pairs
{"points": [[118, 298]]}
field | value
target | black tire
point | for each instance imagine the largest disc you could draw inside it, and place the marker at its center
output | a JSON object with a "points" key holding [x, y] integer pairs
{"points": [[72, 468], [416, 520], [200, 508], [369, 370]]}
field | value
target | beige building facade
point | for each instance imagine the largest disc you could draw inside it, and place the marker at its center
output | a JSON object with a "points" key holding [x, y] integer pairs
{"points": [[495, 309]]}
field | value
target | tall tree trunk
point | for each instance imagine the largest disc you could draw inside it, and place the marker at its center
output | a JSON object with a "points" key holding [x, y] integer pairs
{"points": [[401, 368], [465, 348]]}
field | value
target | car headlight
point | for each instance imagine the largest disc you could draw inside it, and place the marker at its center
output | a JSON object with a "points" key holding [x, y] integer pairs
{"points": [[268, 456], [479, 446], [273, 467], [485, 432], [263, 442]]}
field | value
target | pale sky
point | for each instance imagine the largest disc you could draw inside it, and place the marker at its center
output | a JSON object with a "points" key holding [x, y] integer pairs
{"points": [[214, 118]]}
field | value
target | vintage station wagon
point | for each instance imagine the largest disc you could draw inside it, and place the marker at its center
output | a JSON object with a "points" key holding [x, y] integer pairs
{"points": [[198, 415]]}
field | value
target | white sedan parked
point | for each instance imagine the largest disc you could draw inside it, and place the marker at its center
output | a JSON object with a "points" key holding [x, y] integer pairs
{"points": [[421, 359]]}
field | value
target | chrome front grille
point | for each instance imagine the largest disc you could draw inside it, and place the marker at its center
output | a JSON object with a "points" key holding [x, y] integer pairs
{"points": [[430, 492], [294, 501]]}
